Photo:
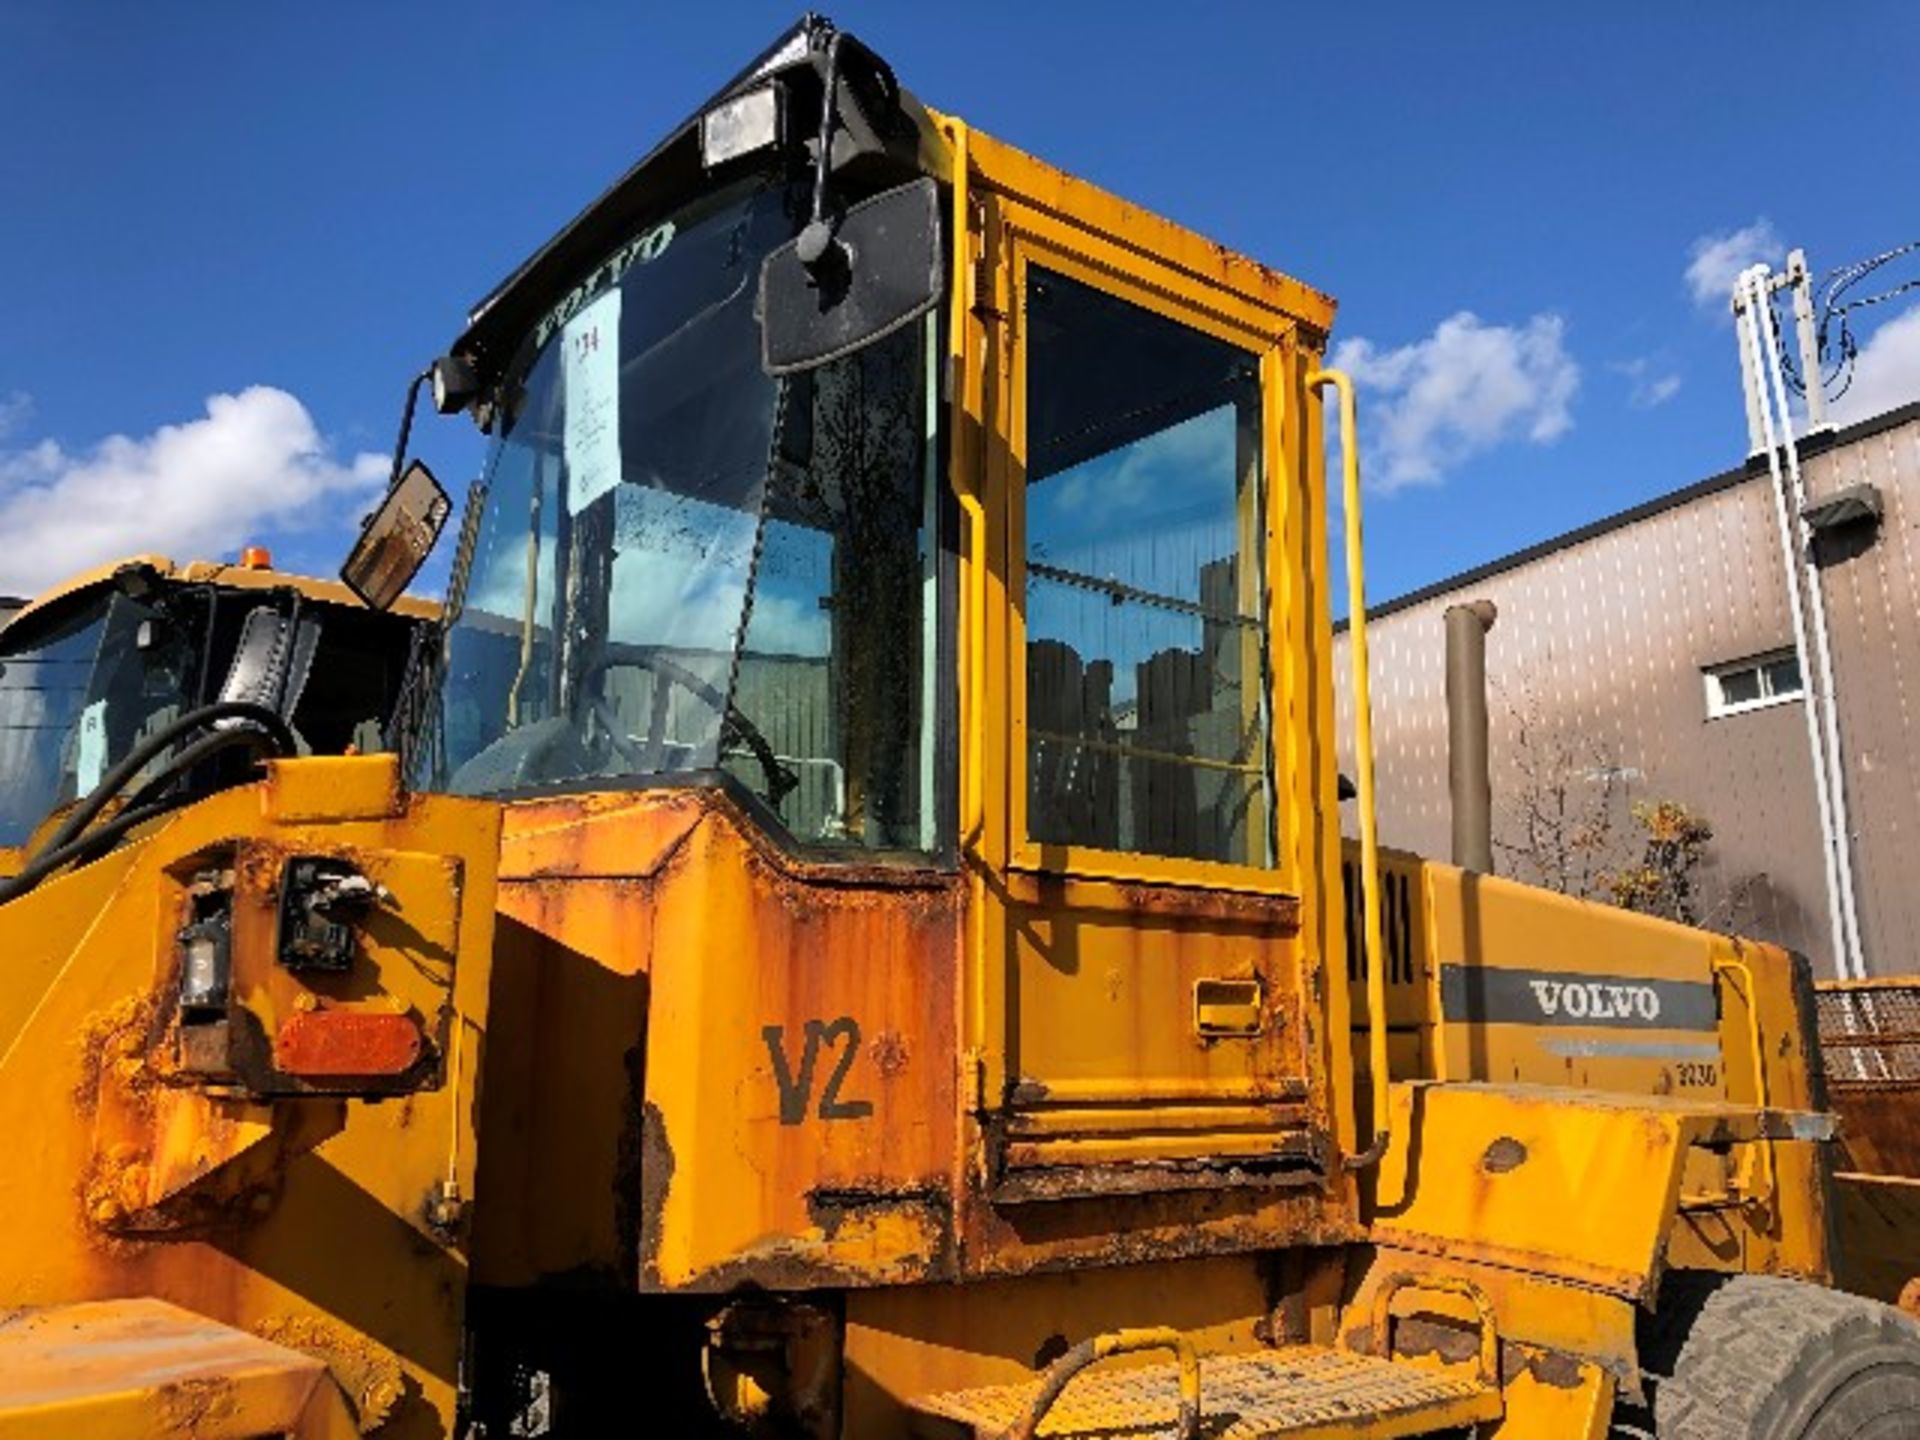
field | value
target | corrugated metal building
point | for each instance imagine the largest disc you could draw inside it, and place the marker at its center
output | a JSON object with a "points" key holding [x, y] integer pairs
{"points": [[1650, 657]]}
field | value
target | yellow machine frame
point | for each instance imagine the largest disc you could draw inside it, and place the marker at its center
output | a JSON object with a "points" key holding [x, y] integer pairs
{"points": [[989, 1166]]}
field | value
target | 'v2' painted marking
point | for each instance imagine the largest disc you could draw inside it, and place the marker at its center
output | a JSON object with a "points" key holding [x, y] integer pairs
{"points": [[796, 1087]]}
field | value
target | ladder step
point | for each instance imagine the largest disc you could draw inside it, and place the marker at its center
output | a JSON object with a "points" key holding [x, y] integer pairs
{"points": [[1302, 1392]]}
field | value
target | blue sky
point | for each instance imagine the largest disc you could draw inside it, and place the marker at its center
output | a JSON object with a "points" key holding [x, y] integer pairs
{"points": [[291, 207]]}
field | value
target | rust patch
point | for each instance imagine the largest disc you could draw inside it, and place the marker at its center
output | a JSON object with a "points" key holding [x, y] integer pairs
{"points": [[889, 1053], [1072, 1233], [116, 1037], [1027, 1091], [337, 1044], [1880, 1126], [636, 1209], [1548, 1367], [1276, 915], [1503, 1156], [192, 1406], [368, 1373], [656, 1174], [808, 1263], [1453, 1341], [797, 1265], [829, 1206]]}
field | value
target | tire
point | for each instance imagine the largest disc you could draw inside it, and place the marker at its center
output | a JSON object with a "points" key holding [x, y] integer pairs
{"points": [[1755, 1357]]}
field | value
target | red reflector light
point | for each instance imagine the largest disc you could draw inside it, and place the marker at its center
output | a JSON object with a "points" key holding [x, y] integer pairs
{"points": [[342, 1043]]}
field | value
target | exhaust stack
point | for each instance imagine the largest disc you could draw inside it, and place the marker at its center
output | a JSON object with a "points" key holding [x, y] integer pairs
{"points": [[1469, 778]]}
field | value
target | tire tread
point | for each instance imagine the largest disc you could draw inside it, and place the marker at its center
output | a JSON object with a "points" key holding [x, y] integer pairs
{"points": [[1732, 1356]]}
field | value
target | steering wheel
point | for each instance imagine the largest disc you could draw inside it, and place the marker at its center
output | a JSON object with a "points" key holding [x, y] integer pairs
{"points": [[650, 757]]}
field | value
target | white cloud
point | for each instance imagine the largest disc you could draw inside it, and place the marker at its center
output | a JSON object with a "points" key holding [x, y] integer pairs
{"points": [[1463, 390], [1714, 262], [253, 466], [1886, 372], [1649, 386], [1145, 471]]}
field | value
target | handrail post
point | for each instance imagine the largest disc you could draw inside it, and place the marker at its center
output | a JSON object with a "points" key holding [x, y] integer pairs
{"points": [[1375, 952]]}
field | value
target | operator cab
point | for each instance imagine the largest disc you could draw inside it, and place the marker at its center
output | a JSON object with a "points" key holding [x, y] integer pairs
{"points": [[689, 569]]}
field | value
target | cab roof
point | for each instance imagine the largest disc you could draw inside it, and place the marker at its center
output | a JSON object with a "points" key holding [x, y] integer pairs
{"points": [[499, 321], [230, 577]]}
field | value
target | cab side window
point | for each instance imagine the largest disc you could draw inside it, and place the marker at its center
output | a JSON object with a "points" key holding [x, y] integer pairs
{"points": [[1146, 655]]}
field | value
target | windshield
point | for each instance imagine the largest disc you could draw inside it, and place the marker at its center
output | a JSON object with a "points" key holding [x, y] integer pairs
{"points": [[684, 565], [78, 689]]}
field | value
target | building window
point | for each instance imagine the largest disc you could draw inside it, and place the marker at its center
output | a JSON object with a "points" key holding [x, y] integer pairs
{"points": [[1752, 684]]}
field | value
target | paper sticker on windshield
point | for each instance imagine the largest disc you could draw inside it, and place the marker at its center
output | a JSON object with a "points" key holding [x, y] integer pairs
{"points": [[591, 361], [90, 749]]}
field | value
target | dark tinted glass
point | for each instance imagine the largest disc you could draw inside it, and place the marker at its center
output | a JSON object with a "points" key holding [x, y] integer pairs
{"points": [[1783, 676], [1739, 687], [1146, 637]]}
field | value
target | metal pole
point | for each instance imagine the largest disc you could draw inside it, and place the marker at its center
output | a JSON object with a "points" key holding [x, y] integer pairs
{"points": [[1749, 377], [1819, 686], [1469, 774], [1752, 289], [1802, 281]]}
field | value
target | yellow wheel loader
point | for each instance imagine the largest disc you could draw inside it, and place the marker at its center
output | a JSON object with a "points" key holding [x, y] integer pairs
{"points": [[926, 992], [237, 1026]]}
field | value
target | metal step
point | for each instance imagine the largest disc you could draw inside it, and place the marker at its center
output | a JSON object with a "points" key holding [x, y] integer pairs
{"points": [[142, 1369], [1302, 1392]]}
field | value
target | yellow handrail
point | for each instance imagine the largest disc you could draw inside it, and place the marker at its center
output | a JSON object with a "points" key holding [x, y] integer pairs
{"points": [[1762, 1197], [1363, 764], [1090, 1352], [1393, 1286]]}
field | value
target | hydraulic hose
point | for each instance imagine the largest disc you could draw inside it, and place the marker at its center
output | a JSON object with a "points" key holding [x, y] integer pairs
{"points": [[49, 861], [266, 725]]}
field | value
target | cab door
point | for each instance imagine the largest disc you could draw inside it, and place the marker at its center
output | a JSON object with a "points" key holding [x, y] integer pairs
{"points": [[1139, 1004]]}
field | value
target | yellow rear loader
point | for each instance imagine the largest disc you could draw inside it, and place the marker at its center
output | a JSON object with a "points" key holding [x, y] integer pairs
{"points": [[895, 633], [99, 664], [240, 1019]]}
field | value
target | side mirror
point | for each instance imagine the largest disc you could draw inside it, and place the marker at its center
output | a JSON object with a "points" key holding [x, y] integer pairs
{"points": [[832, 292], [397, 538]]}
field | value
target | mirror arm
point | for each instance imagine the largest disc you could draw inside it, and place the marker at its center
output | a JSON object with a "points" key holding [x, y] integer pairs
{"points": [[406, 427], [817, 239]]}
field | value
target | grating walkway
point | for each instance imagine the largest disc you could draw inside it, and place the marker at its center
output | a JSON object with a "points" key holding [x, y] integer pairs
{"points": [[1301, 1392]]}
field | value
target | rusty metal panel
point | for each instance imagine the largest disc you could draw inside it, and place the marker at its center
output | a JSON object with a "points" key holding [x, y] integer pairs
{"points": [[1870, 1042], [1877, 1218], [328, 1225], [799, 1126], [1599, 649], [1575, 1185], [787, 1034]]}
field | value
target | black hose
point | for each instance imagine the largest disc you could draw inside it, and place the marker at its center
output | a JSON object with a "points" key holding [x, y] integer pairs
{"points": [[267, 729], [146, 803], [96, 840], [181, 765], [156, 744]]}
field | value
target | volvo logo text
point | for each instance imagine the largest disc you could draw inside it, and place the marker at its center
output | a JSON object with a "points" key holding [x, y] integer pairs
{"points": [[1596, 1000]]}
